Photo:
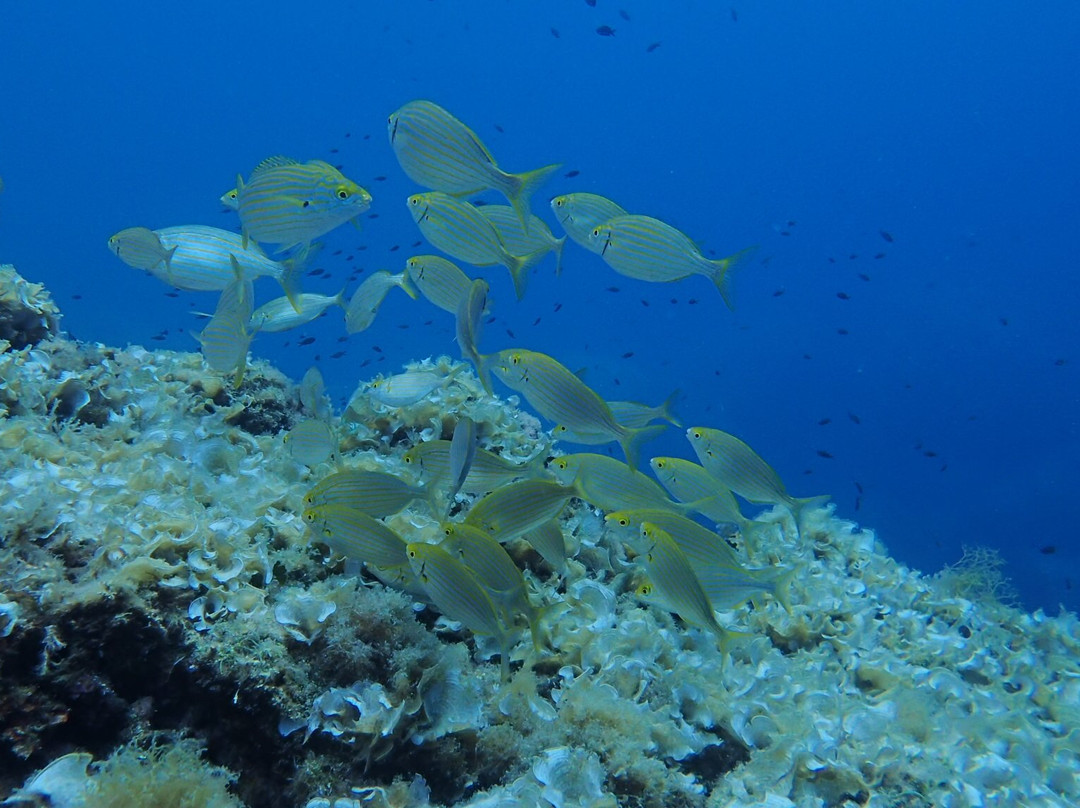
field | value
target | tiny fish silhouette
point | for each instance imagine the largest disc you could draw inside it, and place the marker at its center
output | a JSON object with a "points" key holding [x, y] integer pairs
{"points": [[605, 30], [653, 46], [885, 234]]}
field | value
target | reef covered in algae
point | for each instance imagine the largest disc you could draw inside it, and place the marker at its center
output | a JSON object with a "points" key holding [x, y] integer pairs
{"points": [[172, 635]]}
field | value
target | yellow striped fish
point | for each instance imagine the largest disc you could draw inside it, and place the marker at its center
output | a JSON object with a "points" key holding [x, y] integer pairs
{"points": [[460, 230], [431, 462], [609, 484], [367, 299], [196, 258], [690, 483], [354, 534], [290, 204], [442, 282], [456, 592], [376, 493], [717, 565], [739, 468], [555, 392], [514, 509], [496, 572], [281, 314], [651, 250], [534, 241], [225, 339], [581, 213], [467, 324], [672, 577], [440, 152]]}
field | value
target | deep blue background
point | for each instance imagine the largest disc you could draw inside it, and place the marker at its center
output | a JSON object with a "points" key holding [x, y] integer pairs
{"points": [[803, 128]]}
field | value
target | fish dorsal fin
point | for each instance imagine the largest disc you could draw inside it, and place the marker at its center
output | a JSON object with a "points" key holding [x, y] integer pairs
{"points": [[273, 162]]}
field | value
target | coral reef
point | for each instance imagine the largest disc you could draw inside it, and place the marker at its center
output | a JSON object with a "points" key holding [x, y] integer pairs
{"points": [[166, 612]]}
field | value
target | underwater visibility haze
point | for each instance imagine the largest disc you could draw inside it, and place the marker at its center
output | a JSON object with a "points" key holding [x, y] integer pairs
{"points": [[837, 242]]}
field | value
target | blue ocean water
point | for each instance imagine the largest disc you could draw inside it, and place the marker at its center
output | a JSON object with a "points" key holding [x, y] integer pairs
{"points": [[918, 159]]}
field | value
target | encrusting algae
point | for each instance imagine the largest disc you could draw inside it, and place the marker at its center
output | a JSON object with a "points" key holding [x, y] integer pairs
{"points": [[211, 578]]}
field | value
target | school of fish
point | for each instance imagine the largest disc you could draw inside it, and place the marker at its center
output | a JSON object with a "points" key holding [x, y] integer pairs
{"points": [[482, 501]]}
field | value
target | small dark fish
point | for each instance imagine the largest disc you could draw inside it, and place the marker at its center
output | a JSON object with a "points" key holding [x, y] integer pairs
{"points": [[854, 418], [929, 453], [852, 256], [864, 276], [510, 334], [367, 137], [791, 223], [402, 325], [333, 151], [489, 320], [158, 337], [674, 300], [337, 252], [879, 256], [624, 15], [317, 272], [734, 15], [823, 453], [858, 487], [1048, 549], [498, 129], [591, 3], [612, 289], [843, 295], [779, 292], [644, 302], [172, 294], [627, 355], [555, 32], [306, 341], [337, 354], [395, 248], [380, 178], [417, 243], [373, 216], [785, 232], [885, 234], [1059, 362], [858, 502], [843, 332], [536, 322], [558, 306], [605, 30], [343, 339], [76, 297], [692, 301], [571, 174], [824, 421], [832, 260], [1003, 320], [376, 349], [653, 46]]}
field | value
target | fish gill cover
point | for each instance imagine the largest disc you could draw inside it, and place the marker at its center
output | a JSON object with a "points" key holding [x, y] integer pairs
{"points": [[213, 575]]}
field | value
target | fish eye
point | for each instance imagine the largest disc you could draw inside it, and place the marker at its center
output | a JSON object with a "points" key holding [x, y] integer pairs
{"points": [[343, 193], [624, 522], [697, 434], [596, 232], [559, 202]]}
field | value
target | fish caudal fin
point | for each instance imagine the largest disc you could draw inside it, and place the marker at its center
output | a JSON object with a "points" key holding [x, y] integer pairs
{"points": [[557, 249], [720, 274], [633, 438], [522, 186]]}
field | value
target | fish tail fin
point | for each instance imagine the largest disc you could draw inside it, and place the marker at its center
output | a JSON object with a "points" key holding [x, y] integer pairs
{"points": [[633, 438], [519, 266], [523, 186], [168, 263], [721, 274], [782, 588], [557, 248], [666, 410], [483, 370], [407, 286]]}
